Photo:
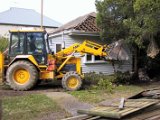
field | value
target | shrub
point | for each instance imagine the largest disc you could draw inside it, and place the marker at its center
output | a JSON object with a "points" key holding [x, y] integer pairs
{"points": [[99, 81], [4, 44], [107, 82], [122, 78]]}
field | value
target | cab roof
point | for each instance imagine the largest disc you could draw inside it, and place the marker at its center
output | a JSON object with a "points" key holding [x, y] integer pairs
{"points": [[27, 30]]}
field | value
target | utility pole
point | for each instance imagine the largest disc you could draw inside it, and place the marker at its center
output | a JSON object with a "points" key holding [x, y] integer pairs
{"points": [[41, 13]]}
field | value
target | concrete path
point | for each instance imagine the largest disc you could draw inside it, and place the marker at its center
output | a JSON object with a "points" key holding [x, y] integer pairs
{"points": [[68, 102]]}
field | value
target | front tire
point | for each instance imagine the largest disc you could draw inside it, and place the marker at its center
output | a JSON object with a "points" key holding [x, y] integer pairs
{"points": [[71, 81], [22, 75]]}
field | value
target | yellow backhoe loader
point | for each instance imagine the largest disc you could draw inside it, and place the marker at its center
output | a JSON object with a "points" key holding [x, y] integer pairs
{"points": [[29, 59]]}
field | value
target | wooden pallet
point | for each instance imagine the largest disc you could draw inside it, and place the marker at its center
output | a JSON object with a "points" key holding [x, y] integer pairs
{"points": [[113, 110]]}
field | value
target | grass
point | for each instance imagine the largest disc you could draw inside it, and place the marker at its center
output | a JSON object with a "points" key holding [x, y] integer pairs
{"points": [[27, 107], [95, 96]]}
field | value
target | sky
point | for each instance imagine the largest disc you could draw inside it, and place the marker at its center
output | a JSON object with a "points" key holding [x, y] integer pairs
{"points": [[61, 11]]}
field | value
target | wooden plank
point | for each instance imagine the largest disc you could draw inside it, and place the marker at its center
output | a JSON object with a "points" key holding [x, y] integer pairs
{"points": [[142, 100], [125, 110], [103, 108], [131, 103], [93, 118], [79, 117], [101, 113], [137, 109], [121, 106]]}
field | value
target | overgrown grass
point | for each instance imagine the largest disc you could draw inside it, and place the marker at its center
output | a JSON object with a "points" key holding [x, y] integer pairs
{"points": [[95, 96], [27, 107]]}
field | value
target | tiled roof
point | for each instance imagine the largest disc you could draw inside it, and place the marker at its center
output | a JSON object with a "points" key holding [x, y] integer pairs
{"points": [[86, 23], [21, 16]]}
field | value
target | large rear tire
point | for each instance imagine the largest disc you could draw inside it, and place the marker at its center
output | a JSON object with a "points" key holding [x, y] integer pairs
{"points": [[22, 75], [71, 81]]}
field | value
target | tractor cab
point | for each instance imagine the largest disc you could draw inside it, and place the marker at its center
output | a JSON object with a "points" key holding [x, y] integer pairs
{"points": [[29, 42]]}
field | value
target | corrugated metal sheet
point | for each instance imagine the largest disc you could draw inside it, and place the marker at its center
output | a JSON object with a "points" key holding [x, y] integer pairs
{"points": [[21, 16]]}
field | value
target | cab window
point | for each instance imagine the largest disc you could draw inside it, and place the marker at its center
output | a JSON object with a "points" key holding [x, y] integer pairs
{"points": [[35, 43], [36, 47], [17, 43]]}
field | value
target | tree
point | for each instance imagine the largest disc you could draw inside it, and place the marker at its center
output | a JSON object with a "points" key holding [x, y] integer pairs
{"points": [[110, 17], [135, 21]]}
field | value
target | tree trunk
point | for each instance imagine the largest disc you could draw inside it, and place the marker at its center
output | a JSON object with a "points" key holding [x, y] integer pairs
{"points": [[135, 59]]}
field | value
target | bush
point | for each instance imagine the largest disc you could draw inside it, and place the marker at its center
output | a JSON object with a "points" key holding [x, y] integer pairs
{"points": [[99, 81], [106, 82], [122, 78], [4, 44]]}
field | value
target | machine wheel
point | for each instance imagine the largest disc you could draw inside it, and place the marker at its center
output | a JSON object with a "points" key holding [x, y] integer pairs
{"points": [[72, 81], [22, 75]]}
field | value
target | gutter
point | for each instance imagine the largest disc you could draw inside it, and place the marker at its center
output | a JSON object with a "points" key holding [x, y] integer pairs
{"points": [[75, 33], [26, 25]]}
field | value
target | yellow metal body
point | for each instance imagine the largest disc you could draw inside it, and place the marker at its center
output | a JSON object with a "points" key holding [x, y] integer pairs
{"points": [[27, 30], [23, 57], [1, 67], [67, 55], [44, 75], [86, 47]]}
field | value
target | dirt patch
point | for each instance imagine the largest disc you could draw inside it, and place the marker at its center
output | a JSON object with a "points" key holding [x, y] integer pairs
{"points": [[68, 102], [5, 91]]}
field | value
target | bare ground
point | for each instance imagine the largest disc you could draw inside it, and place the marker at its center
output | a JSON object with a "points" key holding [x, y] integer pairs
{"points": [[69, 103], [5, 91]]}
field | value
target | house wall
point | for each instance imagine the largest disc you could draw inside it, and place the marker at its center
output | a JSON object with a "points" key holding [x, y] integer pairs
{"points": [[98, 67], [4, 29]]}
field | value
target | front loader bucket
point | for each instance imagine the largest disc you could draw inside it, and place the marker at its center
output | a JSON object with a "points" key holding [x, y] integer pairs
{"points": [[1, 67], [117, 51]]}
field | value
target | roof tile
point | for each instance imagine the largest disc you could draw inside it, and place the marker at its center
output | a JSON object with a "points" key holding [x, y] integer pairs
{"points": [[85, 23]]}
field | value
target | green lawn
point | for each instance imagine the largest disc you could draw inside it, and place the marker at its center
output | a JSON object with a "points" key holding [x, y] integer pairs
{"points": [[96, 96], [27, 107]]}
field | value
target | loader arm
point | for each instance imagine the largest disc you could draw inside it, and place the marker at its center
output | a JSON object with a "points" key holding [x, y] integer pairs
{"points": [[86, 47]]}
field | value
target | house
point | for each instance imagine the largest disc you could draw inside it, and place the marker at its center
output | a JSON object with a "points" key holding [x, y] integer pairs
{"points": [[78, 30], [17, 18]]}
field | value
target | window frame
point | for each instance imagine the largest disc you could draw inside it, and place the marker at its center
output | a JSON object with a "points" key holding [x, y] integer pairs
{"points": [[85, 61], [44, 53]]}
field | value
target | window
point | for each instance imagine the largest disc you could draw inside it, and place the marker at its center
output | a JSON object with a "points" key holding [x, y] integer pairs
{"points": [[89, 57], [35, 46], [92, 59], [17, 43], [35, 43], [97, 58], [57, 47]]}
